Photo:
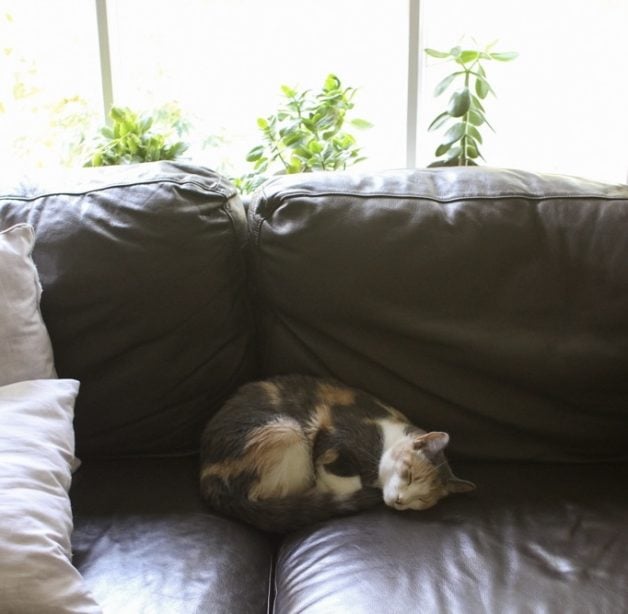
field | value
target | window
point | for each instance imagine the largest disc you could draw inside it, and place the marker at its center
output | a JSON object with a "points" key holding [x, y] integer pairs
{"points": [[221, 64]]}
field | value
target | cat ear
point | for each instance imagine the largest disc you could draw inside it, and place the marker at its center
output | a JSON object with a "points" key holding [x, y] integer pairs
{"points": [[458, 485], [431, 443]]}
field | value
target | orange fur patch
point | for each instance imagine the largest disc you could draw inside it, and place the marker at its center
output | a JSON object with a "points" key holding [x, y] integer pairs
{"points": [[323, 417], [335, 395], [320, 419], [267, 447], [272, 392], [329, 456]]}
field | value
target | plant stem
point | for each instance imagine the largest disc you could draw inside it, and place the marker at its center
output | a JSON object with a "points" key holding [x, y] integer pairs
{"points": [[271, 138], [465, 121]]}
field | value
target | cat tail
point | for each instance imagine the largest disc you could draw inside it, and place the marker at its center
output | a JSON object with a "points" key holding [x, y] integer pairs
{"points": [[292, 512]]}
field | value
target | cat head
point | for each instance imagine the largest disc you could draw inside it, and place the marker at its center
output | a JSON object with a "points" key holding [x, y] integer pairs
{"points": [[416, 474]]}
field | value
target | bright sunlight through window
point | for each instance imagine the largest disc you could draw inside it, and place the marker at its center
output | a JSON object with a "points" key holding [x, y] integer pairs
{"points": [[213, 67]]}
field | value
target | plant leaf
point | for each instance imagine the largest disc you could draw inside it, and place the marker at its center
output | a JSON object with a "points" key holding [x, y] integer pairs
{"points": [[438, 121], [453, 154], [476, 105], [455, 52], [361, 124], [442, 149], [331, 83], [455, 133], [471, 151], [459, 103], [117, 113], [475, 117], [445, 83], [482, 88], [255, 154], [261, 165], [302, 152], [504, 56], [474, 133], [488, 124], [437, 54], [292, 138], [468, 55]]}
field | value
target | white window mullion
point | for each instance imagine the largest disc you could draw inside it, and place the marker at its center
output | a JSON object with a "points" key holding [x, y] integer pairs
{"points": [[105, 56], [414, 77]]}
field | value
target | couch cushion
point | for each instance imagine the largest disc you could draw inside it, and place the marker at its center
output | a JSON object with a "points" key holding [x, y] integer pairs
{"points": [[144, 298], [144, 543], [548, 538], [488, 303], [25, 350]]}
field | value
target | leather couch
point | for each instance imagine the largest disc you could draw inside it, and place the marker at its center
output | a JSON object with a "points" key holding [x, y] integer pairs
{"points": [[491, 304]]}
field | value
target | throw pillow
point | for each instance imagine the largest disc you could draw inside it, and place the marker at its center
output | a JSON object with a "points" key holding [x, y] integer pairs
{"points": [[36, 452], [25, 349]]}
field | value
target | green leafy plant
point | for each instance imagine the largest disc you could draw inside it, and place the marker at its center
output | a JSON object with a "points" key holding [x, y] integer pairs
{"points": [[133, 137], [465, 113], [306, 134]]}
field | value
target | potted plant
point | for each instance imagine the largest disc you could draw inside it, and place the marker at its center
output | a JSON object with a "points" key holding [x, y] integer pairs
{"points": [[133, 137], [465, 114], [306, 133]]}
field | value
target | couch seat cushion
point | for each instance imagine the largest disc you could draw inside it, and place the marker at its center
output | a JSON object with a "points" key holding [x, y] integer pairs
{"points": [[144, 543], [532, 538]]}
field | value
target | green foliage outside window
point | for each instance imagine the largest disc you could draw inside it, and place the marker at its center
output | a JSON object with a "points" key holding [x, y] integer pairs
{"points": [[37, 127]]}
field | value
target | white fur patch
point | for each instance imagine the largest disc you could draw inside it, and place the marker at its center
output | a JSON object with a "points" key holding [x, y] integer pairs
{"points": [[392, 432], [290, 475], [328, 482]]}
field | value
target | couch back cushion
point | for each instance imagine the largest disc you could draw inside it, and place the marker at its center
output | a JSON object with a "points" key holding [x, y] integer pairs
{"points": [[144, 296], [488, 303]]}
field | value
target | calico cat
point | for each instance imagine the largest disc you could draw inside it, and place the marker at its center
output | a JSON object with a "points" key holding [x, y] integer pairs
{"points": [[292, 450]]}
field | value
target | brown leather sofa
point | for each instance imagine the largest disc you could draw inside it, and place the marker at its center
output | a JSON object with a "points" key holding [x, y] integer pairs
{"points": [[492, 304]]}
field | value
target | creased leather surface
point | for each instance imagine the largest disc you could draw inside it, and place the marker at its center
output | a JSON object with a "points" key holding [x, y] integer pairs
{"points": [[487, 303], [532, 539], [144, 296], [144, 543]]}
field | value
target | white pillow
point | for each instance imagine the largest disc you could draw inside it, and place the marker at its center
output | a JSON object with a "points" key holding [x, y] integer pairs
{"points": [[36, 453], [25, 349]]}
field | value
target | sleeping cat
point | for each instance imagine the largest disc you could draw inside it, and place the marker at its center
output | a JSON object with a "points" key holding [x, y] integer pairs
{"points": [[292, 450]]}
